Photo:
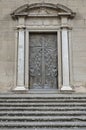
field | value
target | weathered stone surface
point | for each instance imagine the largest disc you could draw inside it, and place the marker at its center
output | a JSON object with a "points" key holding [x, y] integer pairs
{"points": [[8, 40], [43, 111]]}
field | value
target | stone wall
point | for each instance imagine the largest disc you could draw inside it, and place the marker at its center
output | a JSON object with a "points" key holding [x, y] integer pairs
{"points": [[8, 43]]}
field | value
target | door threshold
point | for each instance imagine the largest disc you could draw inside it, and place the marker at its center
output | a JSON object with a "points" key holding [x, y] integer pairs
{"points": [[43, 91]]}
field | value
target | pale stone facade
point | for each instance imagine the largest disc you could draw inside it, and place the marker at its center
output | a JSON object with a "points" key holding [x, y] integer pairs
{"points": [[71, 30]]}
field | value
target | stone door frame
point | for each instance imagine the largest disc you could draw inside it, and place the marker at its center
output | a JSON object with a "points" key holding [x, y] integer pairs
{"points": [[23, 41]]}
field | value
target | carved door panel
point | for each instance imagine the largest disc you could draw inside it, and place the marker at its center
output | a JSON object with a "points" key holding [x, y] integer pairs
{"points": [[43, 60]]}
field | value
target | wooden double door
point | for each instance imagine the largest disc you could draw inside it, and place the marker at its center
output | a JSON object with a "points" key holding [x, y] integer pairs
{"points": [[43, 61]]}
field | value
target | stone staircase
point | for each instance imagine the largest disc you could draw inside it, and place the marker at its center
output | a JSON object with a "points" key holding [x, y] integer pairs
{"points": [[39, 111]]}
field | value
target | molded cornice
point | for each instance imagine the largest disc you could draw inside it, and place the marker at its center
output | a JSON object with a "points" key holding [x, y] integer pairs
{"points": [[25, 10]]}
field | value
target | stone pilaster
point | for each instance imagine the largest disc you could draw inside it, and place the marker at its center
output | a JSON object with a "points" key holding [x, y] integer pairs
{"points": [[65, 57], [20, 75]]}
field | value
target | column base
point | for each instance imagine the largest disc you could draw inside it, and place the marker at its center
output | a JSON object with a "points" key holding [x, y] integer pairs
{"points": [[66, 88], [20, 88]]}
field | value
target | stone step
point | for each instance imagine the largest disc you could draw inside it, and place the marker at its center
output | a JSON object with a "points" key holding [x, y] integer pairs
{"points": [[43, 108], [43, 118], [17, 95], [42, 96], [64, 128], [48, 124], [42, 113], [43, 104], [41, 100]]}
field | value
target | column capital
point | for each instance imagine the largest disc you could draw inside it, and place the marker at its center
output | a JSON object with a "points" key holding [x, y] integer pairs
{"points": [[21, 27], [64, 23], [65, 27]]}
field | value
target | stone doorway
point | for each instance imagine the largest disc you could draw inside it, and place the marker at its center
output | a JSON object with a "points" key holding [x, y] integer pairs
{"points": [[43, 60], [45, 17]]}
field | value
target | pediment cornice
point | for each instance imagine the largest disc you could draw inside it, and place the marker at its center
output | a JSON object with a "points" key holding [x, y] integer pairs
{"points": [[43, 10]]}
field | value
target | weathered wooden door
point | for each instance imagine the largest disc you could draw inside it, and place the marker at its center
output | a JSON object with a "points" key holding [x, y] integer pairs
{"points": [[43, 61]]}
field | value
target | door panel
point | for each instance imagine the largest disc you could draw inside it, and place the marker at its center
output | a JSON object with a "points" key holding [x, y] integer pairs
{"points": [[35, 66], [43, 60]]}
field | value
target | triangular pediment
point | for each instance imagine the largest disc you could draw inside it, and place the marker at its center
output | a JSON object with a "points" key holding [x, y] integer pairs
{"points": [[41, 10]]}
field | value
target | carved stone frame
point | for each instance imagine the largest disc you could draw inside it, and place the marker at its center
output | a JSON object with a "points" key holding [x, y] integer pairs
{"points": [[23, 40]]}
